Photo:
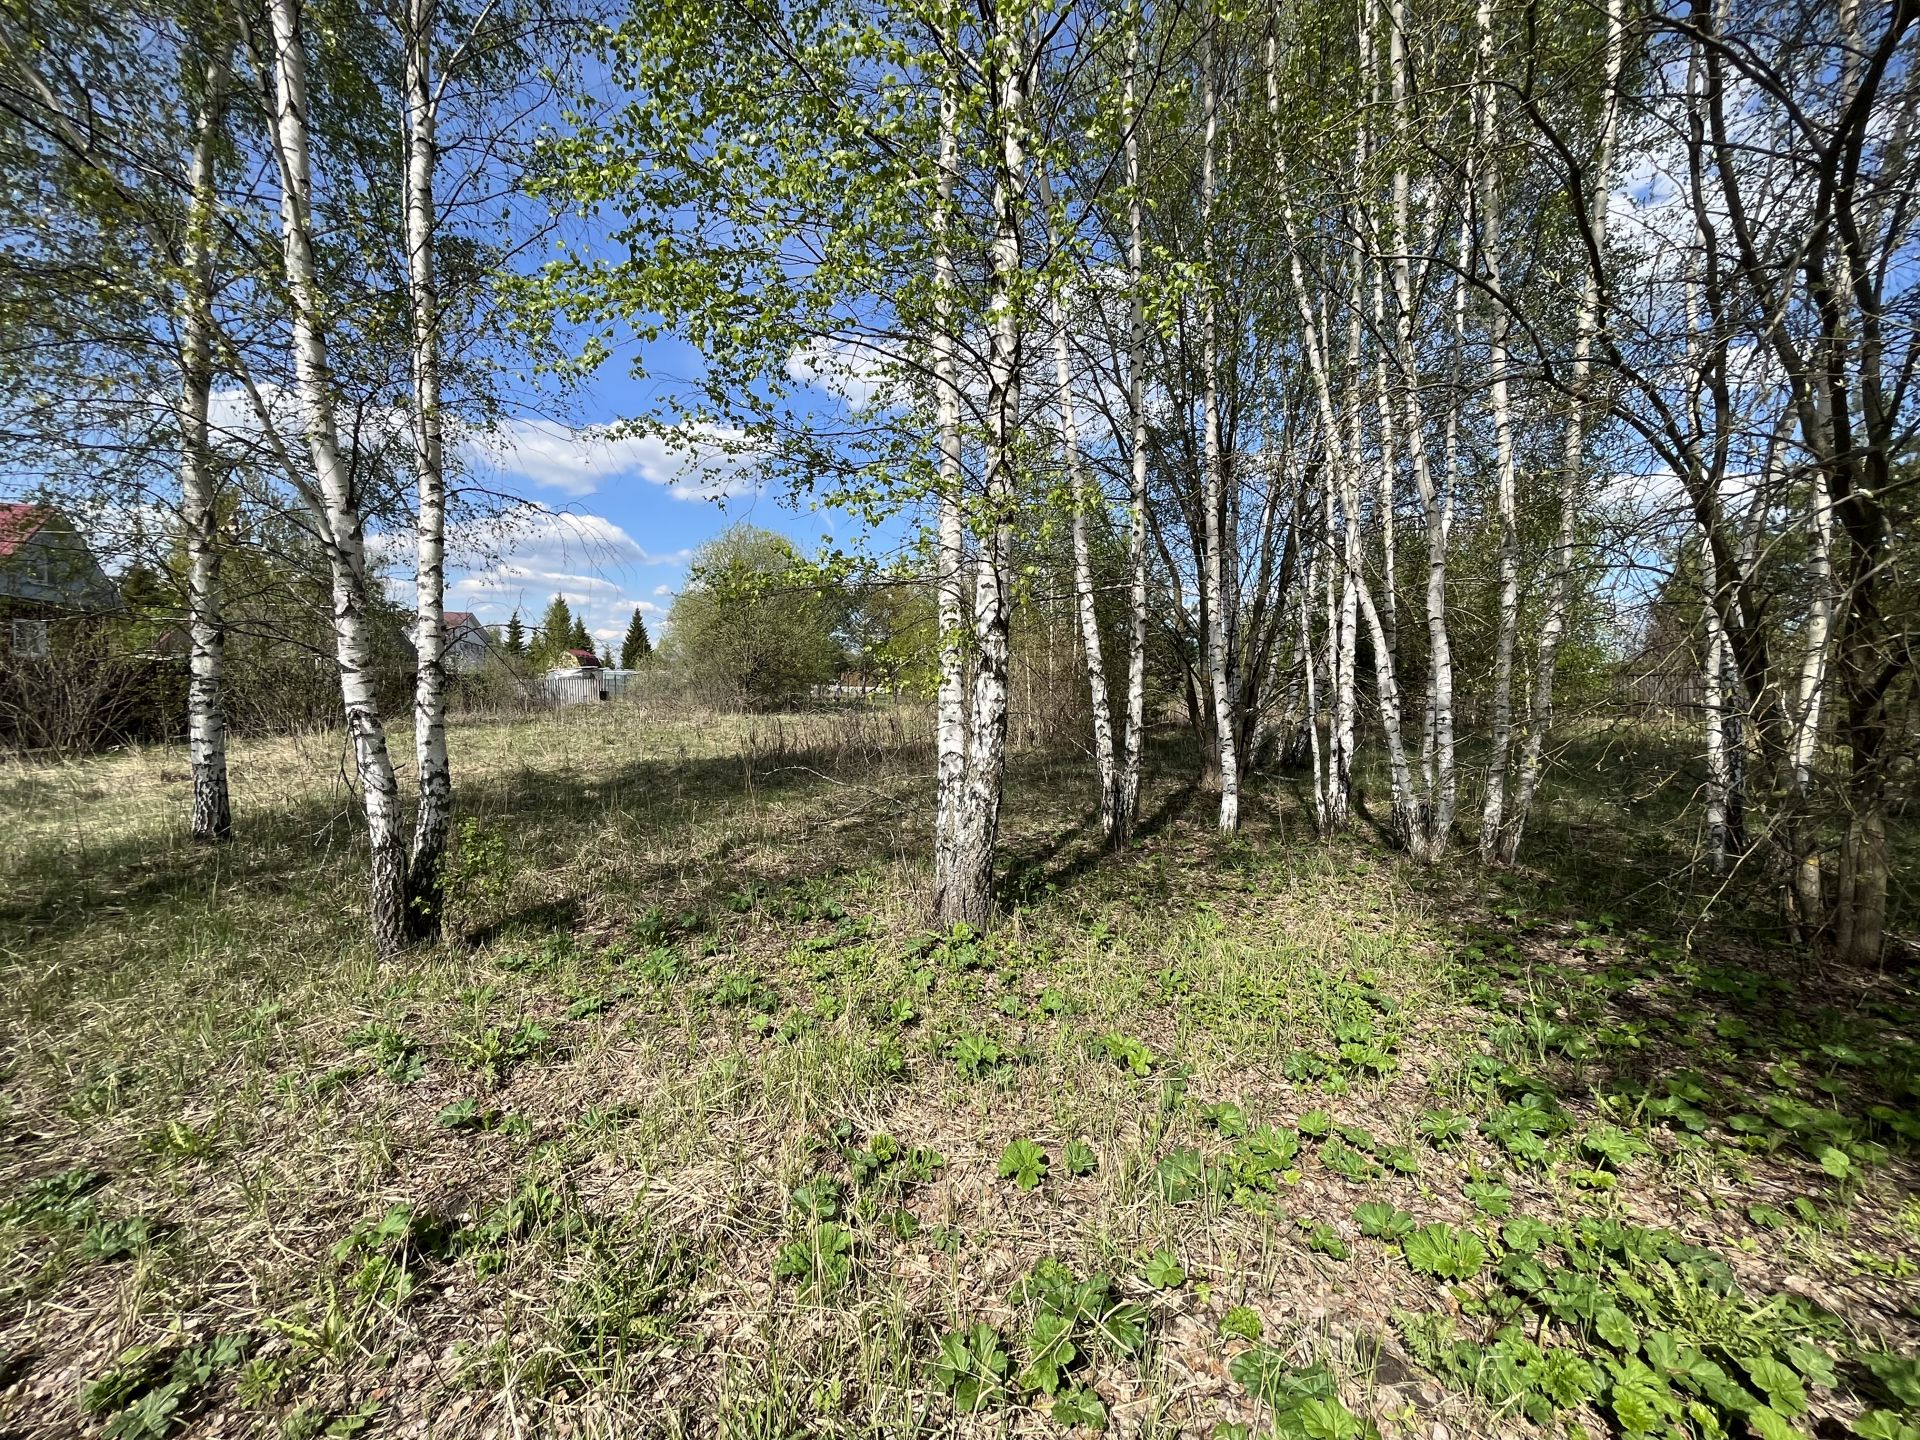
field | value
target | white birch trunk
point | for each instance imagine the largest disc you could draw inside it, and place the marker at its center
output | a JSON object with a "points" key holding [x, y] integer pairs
{"points": [[1439, 781], [969, 899], [1308, 666], [1713, 704], [1808, 884], [1560, 582], [1493, 810], [338, 520], [1135, 728], [434, 815], [1389, 457], [1405, 804], [211, 818], [951, 724], [1083, 494], [1214, 573], [1341, 474]]}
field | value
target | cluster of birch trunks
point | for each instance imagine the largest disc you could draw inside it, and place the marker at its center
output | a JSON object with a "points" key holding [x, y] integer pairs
{"points": [[1577, 294]]}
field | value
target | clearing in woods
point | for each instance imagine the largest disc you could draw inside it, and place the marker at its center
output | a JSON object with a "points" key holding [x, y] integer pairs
{"points": [[692, 1127]]}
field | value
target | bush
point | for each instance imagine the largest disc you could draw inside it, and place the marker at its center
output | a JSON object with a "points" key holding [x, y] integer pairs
{"points": [[753, 628]]}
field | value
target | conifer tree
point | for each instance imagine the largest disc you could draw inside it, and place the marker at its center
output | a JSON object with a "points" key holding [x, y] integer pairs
{"points": [[638, 645]]}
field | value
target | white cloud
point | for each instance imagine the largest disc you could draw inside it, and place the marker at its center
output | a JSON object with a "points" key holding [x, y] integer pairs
{"points": [[703, 464], [854, 373], [585, 558]]}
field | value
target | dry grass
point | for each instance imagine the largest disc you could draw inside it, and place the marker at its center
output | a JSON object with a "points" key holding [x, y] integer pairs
{"points": [[688, 976]]}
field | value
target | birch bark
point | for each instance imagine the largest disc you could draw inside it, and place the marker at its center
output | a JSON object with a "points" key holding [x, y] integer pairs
{"points": [[1493, 809], [1135, 726], [1083, 495], [1214, 497], [951, 732], [1439, 781], [1713, 705], [1809, 888], [337, 511], [970, 896], [212, 811], [433, 816]]}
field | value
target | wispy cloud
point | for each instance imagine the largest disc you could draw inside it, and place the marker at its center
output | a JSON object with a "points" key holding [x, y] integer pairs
{"points": [[586, 558], [704, 464]]}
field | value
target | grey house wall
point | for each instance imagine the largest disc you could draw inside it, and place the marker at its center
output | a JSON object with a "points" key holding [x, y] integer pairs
{"points": [[54, 568]]}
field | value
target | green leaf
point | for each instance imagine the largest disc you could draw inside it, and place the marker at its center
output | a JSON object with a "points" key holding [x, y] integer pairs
{"points": [[1525, 1234], [1635, 1408], [1164, 1271], [1778, 1381], [1128, 1053], [1441, 1250], [1884, 1425], [1122, 1327], [1080, 1407], [1326, 1240], [1263, 1372], [1049, 1351], [1663, 1353], [1770, 1424], [1080, 1158], [1226, 1117], [1024, 1163], [1835, 1161], [1324, 1419], [1489, 1197], [1616, 1329], [1381, 1220], [1181, 1175], [1813, 1363], [1898, 1374], [971, 1366]]}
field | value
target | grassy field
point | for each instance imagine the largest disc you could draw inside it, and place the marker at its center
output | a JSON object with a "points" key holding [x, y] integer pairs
{"points": [[690, 1127]]}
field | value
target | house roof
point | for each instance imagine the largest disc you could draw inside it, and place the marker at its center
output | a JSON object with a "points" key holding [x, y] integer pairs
{"points": [[18, 524], [584, 657], [456, 618]]}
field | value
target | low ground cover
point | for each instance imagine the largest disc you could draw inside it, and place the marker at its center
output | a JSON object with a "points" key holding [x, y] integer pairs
{"points": [[691, 1127]]}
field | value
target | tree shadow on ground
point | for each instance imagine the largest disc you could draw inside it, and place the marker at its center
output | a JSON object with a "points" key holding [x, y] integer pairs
{"points": [[314, 844]]}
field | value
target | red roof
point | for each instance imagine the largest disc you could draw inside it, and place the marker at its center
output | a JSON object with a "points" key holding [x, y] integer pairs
{"points": [[18, 522], [585, 657], [457, 618]]}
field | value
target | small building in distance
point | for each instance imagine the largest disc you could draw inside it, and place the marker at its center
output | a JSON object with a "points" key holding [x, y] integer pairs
{"points": [[50, 580], [467, 641]]}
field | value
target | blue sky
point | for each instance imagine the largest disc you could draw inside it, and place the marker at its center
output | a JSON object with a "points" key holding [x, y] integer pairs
{"points": [[621, 515]]}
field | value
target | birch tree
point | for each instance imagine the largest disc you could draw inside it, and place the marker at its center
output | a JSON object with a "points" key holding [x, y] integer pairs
{"points": [[1499, 360], [433, 777], [332, 498], [212, 807], [1572, 458], [1214, 479]]}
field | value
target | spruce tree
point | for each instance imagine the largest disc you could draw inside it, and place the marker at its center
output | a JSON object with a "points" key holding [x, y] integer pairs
{"points": [[637, 646], [516, 640], [580, 639]]}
